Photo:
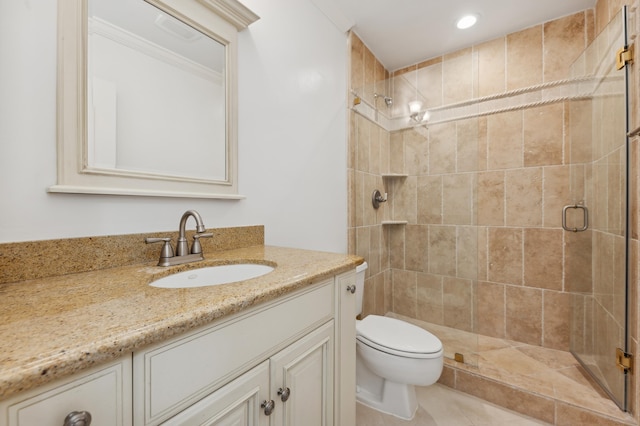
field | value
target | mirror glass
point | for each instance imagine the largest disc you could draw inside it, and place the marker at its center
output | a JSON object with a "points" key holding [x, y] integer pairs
{"points": [[156, 94], [147, 97]]}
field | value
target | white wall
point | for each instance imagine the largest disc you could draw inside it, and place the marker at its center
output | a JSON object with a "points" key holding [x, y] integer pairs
{"points": [[292, 136]]}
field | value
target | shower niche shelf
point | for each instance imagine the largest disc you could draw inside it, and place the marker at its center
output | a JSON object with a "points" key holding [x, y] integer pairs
{"points": [[393, 176]]}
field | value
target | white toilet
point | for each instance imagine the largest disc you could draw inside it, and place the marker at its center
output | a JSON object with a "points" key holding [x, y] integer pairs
{"points": [[392, 357]]}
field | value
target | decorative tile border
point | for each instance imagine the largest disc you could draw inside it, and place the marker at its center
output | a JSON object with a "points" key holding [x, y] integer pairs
{"points": [[530, 97]]}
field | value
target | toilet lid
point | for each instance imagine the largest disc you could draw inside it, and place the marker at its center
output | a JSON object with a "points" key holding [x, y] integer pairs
{"points": [[392, 335]]}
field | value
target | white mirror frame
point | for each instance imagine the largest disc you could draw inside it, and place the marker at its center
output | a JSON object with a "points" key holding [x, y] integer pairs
{"points": [[220, 19]]}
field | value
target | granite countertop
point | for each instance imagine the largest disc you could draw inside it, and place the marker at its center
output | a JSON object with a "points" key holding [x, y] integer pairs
{"points": [[54, 327]]}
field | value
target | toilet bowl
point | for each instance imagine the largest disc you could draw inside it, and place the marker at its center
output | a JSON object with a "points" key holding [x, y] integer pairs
{"points": [[392, 357]]}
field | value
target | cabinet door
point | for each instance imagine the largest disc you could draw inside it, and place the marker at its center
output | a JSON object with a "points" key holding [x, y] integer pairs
{"points": [[104, 392], [345, 360], [236, 404], [302, 376]]}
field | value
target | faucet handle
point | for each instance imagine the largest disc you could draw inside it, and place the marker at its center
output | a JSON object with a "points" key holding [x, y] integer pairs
{"points": [[167, 249], [196, 248]]}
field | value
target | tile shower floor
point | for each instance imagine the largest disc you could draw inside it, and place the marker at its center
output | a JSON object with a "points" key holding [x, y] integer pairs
{"points": [[540, 371]]}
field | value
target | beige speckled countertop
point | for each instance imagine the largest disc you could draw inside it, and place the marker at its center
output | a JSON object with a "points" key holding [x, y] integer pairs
{"points": [[53, 327]]}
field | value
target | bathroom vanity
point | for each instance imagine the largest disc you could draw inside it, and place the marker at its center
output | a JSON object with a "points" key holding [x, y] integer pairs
{"points": [[274, 350]]}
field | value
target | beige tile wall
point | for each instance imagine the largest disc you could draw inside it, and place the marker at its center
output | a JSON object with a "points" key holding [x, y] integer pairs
{"points": [[497, 263], [367, 160], [486, 241]]}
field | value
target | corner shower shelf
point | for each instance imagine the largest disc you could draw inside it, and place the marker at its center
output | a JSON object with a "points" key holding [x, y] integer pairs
{"points": [[394, 175], [394, 222]]}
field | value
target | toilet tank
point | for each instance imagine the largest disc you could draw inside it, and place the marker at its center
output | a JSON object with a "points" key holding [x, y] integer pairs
{"points": [[360, 271]]}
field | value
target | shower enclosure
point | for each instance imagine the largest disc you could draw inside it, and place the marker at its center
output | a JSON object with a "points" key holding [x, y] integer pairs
{"points": [[596, 219], [477, 170]]}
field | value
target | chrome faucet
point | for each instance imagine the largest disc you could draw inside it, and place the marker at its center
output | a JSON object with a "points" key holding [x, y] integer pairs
{"points": [[182, 247], [182, 253]]}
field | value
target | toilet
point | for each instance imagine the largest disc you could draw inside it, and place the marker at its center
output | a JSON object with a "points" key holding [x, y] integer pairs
{"points": [[392, 357]]}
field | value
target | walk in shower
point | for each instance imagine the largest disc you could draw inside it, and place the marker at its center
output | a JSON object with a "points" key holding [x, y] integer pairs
{"points": [[485, 159]]}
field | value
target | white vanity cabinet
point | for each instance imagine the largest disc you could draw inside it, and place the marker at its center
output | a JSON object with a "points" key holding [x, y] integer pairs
{"points": [[295, 334], [103, 392], [289, 361]]}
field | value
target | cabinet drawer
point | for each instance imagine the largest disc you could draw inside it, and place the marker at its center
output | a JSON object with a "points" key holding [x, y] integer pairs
{"points": [[170, 377], [104, 392]]}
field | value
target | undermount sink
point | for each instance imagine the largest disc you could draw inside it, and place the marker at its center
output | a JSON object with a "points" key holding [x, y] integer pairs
{"points": [[212, 275]]}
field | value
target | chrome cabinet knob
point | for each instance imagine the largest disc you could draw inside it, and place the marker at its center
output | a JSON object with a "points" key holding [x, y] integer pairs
{"points": [[268, 406], [351, 289], [77, 418], [284, 394]]}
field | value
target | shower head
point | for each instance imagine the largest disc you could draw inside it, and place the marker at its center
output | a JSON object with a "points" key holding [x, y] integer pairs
{"points": [[387, 99]]}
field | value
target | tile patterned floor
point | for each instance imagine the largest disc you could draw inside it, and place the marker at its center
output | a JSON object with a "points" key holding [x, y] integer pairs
{"points": [[546, 373], [442, 406]]}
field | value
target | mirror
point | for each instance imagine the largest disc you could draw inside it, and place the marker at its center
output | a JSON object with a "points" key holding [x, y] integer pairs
{"points": [[147, 97], [156, 93]]}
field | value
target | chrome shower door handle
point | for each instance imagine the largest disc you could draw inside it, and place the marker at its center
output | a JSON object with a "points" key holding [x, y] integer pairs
{"points": [[585, 216]]}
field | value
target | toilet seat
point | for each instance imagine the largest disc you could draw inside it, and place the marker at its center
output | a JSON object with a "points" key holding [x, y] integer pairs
{"points": [[397, 337]]}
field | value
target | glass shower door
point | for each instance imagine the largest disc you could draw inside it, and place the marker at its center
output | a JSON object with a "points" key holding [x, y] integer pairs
{"points": [[596, 218]]}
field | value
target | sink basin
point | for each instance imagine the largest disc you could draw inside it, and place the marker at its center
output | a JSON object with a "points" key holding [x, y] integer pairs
{"points": [[212, 275]]}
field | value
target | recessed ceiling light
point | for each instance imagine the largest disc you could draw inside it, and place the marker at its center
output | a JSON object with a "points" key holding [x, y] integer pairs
{"points": [[467, 21]]}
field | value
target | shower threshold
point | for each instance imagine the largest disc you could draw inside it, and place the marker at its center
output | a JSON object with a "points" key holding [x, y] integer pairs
{"points": [[547, 384]]}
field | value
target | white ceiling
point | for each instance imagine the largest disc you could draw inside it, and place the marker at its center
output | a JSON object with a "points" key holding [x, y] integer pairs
{"points": [[405, 32]]}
